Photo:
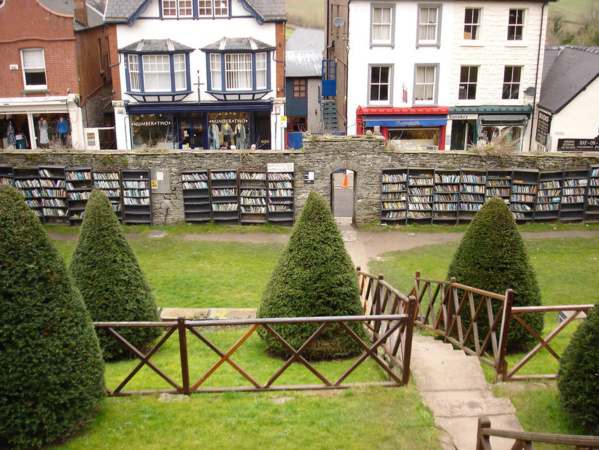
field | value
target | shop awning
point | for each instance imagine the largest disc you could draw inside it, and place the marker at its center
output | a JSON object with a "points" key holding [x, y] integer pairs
{"points": [[188, 107], [405, 121], [504, 119]]}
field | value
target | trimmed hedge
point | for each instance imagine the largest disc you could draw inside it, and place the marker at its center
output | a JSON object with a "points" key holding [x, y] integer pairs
{"points": [[492, 256], [110, 279], [578, 374], [51, 368], [313, 277]]}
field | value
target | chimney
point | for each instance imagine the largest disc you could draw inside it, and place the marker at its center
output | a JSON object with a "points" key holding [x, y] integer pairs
{"points": [[81, 12]]}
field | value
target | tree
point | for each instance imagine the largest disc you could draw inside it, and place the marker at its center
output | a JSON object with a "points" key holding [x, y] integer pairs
{"points": [[313, 277], [110, 279], [578, 373], [492, 256], [51, 368]]}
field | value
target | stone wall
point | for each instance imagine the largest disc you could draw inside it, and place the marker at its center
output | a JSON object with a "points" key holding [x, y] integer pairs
{"points": [[366, 156]]}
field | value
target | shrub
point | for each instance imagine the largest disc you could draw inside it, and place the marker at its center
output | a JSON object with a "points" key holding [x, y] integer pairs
{"points": [[110, 279], [492, 256], [313, 277], [578, 373], [51, 368]]}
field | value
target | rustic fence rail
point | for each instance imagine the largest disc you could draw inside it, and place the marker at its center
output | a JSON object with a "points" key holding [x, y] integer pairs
{"points": [[525, 440], [391, 337]]}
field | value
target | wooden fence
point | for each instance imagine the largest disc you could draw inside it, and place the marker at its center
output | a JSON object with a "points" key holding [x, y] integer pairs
{"points": [[391, 334], [440, 308]]}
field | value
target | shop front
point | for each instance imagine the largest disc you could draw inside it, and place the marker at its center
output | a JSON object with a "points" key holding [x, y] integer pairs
{"points": [[406, 128], [472, 126], [197, 126]]}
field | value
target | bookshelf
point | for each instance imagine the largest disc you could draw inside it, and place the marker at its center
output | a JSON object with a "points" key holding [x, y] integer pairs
{"points": [[27, 180], [549, 195], [446, 196], [7, 175], [472, 193], [421, 183], [574, 195], [196, 196], [78, 187], [394, 196], [499, 184], [223, 192], [109, 181], [524, 194], [592, 207], [252, 196], [54, 194], [280, 197], [137, 196]]}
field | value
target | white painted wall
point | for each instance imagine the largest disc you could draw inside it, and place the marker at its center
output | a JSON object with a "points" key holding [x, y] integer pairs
{"points": [[313, 105]]}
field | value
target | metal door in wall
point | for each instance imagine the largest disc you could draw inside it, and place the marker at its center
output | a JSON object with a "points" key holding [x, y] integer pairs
{"points": [[329, 78]]}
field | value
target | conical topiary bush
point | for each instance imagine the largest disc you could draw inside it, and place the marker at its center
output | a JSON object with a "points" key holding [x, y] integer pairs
{"points": [[492, 256], [578, 374], [51, 368], [313, 277], [110, 279]]}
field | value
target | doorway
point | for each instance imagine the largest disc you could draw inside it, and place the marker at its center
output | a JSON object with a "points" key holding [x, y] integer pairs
{"points": [[342, 193], [191, 133]]}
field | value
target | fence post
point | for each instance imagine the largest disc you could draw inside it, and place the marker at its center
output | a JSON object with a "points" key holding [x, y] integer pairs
{"points": [[183, 352], [452, 294], [483, 442], [501, 363], [409, 330]]}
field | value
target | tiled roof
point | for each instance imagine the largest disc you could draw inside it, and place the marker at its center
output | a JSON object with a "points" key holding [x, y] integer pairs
{"points": [[303, 64], [306, 39], [228, 44], [67, 7], [573, 70], [269, 10], [121, 10], [156, 46]]}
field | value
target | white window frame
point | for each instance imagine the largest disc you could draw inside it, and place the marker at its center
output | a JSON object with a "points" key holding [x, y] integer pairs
{"points": [[469, 82], [34, 69], [513, 28], [134, 75], [473, 24], [238, 72], [261, 71], [421, 86], [390, 24], [177, 8], [213, 8], [514, 86], [216, 72], [424, 21], [158, 61], [389, 84], [180, 71]]}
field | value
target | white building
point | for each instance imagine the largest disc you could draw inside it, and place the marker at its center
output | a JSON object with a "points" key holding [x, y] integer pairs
{"points": [[437, 75], [204, 74]]}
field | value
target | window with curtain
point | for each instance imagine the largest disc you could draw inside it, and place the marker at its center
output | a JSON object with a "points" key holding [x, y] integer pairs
{"points": [[468, 80], [382, 25], [180, 72], [380, 84], [428, 24], [157, 73], [216, 80], [515, 29], [472, 24], [134, 84], [511, 82], [238, 71], [424, 88], [34, 68], [261, 70]]}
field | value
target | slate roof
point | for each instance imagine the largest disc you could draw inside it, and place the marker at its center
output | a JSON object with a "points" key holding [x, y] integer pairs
{"points": [[572, 71], [228, 44], [156, 46], [306, 39], [67, 7], [121, 11]]}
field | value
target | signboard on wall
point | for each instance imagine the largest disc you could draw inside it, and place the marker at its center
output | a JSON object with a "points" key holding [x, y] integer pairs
{"points": [[280, 167], [543, 126], [578, 145]]}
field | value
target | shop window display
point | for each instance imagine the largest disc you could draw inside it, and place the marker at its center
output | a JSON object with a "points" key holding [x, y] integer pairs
{"points": [[152, 131]]}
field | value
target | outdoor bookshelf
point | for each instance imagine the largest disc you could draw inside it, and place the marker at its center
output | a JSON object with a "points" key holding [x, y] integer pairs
{"points": [[27, 180], [394, 196], [109, 181], [7, 175], [54, 194], [499, 184], [524, 194], [252, 197], [574, 195], [549, 195], [421, 183], [592, 207], [446, 196], [472, 193], [281, 197], [224, 196], [196, 196], [137, 197], [78, 187]]}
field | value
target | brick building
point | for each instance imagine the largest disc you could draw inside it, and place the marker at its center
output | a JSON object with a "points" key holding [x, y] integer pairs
{"points": [[55, 64]]}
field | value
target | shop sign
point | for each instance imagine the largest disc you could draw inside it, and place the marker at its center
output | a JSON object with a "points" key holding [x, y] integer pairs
{"points": [[308, 177], [578, 145], [543, 126], [280, 167], [151, 123], [462, 117]]}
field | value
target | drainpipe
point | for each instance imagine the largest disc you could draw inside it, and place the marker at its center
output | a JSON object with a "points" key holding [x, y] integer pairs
{"points": [[534, 100]]}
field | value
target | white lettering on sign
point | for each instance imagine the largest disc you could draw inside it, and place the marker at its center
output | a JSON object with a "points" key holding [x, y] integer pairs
{"points": [[280, 167]]}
